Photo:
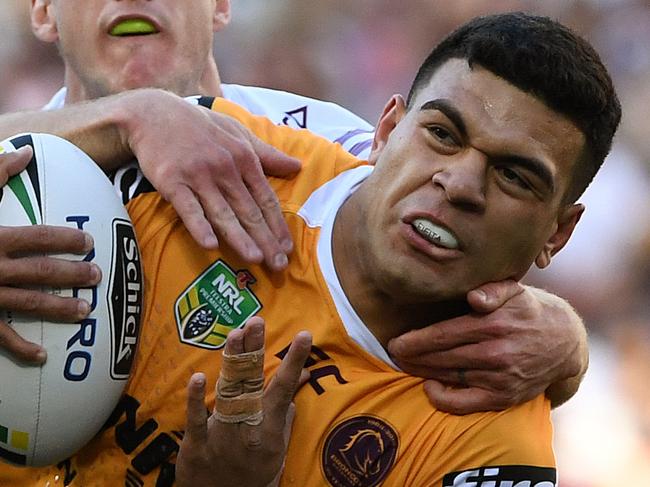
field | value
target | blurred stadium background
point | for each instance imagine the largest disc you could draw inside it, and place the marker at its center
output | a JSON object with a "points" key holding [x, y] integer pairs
{"points": [[359, 52]]}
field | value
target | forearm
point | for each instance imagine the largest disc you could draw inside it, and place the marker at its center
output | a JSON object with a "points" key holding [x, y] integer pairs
{"points": [[561, 391], [101, 128], [561, 315]]}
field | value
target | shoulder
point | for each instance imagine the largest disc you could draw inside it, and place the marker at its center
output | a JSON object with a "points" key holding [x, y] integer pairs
{"points": [[509, 447], [305, 145], [521, 434], [290, 108], [326, 119]]}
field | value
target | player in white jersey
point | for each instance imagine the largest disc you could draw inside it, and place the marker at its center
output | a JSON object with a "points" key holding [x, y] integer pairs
{"points": [[130, 58]]}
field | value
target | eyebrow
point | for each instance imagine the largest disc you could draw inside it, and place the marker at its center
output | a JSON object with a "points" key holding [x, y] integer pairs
{"points": [[449, 110], [532, 164]]}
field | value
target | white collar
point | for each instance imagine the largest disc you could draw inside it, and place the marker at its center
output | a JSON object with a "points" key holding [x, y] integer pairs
{"points": [[320, 211]]}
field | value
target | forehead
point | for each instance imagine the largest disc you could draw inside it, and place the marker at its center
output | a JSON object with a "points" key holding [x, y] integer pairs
{"points": [[500, 119]]}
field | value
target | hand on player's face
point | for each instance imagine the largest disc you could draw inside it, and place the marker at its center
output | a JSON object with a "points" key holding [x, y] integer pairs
{"points": [[24, 267], [516, 344]]}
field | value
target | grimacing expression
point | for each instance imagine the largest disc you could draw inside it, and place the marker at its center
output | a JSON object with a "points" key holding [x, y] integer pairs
{"points": [[170, 47], [468, 186]]}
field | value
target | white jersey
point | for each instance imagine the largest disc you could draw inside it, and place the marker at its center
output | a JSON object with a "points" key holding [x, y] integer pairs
{"points": [[326, 119]]}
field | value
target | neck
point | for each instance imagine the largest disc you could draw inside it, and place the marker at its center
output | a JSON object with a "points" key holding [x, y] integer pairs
{"points": [[78, 90], [386, 314]]}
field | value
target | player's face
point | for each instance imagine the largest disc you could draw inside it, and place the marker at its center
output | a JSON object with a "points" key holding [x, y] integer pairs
{"points": [[113, 45], [468, 186]]}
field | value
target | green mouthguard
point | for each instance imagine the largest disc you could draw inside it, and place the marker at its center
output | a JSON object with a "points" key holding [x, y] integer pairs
{"points": [[133, 26]]}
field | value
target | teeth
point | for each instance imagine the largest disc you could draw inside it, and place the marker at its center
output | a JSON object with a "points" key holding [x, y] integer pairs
{"points": [[435, 234]]}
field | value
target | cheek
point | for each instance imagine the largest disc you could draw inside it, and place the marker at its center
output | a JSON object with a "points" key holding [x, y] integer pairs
{"points": [[514, 247]]}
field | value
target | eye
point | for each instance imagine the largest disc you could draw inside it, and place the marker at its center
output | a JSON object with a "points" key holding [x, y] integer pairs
{"points": [[511, 176], [442, 135]]}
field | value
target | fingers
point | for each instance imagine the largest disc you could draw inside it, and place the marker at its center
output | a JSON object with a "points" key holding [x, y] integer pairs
{"points": [[466, 400], [443, 335], [288, 422], [257, 210], [44, 305], [485, 355], [271, 211], [289, 377], [196, 429], [36, 303], [19, 348], [275, 162], [279, 395], [48, 271], [18, 268], [466, 329], [189, 210], [493, 295], [491, 380], [248, 339], [11, 163], [220, 189], [254, 334], [44, 239]]}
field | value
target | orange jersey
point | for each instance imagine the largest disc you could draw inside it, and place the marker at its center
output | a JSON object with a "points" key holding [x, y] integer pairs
{"points": [[359, 421]]}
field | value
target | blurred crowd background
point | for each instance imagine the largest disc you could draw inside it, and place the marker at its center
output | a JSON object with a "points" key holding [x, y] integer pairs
{"points": [[359, 52]]}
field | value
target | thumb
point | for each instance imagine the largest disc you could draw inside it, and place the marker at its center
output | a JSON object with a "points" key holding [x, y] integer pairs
{"points": [[196, 429], [275, 162], [11, 163], [288, 422], [20, 348], [493, 295]]}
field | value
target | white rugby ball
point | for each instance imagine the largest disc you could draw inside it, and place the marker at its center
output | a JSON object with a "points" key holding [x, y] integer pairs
{"points": [[48, 413]]}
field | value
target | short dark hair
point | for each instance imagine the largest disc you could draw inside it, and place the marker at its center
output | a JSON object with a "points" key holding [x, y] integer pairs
{"points": [[546, 59]]}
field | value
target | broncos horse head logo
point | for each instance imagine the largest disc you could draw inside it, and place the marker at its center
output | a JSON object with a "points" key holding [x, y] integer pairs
{"points": [[363, 452]]}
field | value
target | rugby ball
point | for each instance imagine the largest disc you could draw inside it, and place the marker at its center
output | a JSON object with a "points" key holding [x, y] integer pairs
{"points": [[48, 413]]}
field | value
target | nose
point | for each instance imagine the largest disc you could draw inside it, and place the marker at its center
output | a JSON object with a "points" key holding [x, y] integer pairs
{"points": [[463, 179]]}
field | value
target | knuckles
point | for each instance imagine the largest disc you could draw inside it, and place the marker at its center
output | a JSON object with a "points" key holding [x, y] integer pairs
{"points": [[28, 301], [252, 217]]}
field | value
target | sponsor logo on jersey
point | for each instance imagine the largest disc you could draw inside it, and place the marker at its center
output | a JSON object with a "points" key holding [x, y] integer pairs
{"points": [[218, 301], [359, 452], [503, 476], [125, 304]]}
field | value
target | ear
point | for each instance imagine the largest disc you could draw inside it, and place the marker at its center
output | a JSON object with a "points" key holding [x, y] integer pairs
{"points": [[221, 17], [393, 112], [567, 222], [43, 17]]}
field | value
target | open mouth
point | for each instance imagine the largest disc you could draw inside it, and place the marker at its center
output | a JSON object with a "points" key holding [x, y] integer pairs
{"points": [[133, 27], [435, 234]]}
